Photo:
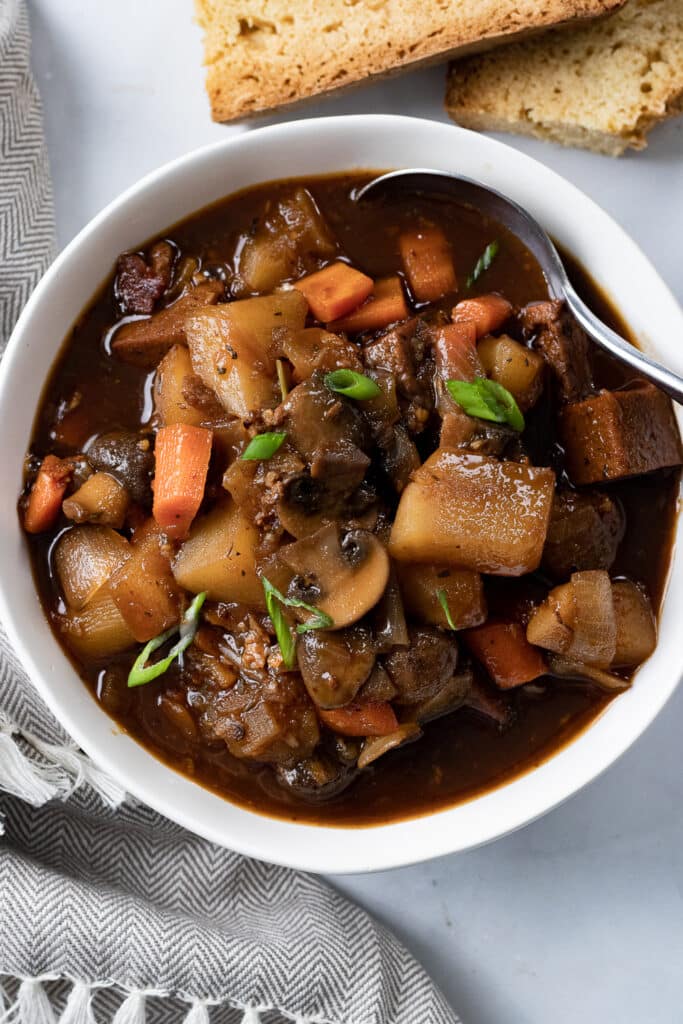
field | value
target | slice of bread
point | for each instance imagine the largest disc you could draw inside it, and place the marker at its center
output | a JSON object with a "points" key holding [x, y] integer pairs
{"points": [[263, 54], [601, 86]]}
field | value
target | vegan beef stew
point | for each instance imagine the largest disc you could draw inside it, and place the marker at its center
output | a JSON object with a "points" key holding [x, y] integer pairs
{"points": [[338, 513]]}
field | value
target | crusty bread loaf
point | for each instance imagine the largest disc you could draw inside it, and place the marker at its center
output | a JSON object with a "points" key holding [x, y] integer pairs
{"points": [[601, 86], [263, 54]]}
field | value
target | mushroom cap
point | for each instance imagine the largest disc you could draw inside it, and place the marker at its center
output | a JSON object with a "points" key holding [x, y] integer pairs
{"points": [[349, 570]]}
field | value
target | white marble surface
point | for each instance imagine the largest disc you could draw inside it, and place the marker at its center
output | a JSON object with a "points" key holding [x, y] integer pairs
{"points": [[578, 917]]}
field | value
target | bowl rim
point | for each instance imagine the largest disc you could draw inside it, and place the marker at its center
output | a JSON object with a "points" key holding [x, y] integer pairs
{"points": [[317, 847]]}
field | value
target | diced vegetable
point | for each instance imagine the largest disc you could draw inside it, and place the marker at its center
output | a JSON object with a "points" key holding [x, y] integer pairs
{"points": [[372, 719], [182, 456], [474, 512], [46, 494], [517, 368], [488, 313], [636, 626], [171, 378], [290, 237], [101, 499], [145, 591], [85, 557], [97, 630], [144, 342], [428, 263], [232, 348], [462, 590], [220, 557], [385, 306], [615, 434], [577, 619], [505, 653], [334, 291], [455, 351]]}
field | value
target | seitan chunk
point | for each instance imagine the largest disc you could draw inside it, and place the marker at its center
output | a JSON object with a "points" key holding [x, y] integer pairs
{"points": [[616, 434]]}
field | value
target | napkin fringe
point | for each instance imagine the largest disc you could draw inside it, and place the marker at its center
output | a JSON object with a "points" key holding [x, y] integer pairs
{"points": [[36, 771], [32, 1004]]}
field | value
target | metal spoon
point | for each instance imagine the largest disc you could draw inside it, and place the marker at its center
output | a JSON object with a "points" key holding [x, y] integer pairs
{"points": [[530, 232]]}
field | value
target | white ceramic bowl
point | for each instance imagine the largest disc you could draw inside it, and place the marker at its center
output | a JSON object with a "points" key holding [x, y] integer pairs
{"points": [[159, 200]]}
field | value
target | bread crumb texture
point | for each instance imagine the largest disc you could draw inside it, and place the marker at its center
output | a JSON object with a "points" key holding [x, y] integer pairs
{"points": [[263, 54], [601, 86]]}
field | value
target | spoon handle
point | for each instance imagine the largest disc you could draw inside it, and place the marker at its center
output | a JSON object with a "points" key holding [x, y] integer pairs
{"points": [[613, 343]]}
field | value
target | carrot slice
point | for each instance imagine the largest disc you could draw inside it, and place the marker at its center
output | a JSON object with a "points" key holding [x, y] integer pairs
{"points": [[47, 492], [455, 350], [386, 305], [488, 312], [505, 653], [376, 718], [334, 291], [182, 454], [428, 263]]}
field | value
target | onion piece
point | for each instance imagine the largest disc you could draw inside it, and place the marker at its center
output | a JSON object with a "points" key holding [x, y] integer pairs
{"points": [[595, 630], [568, 667], [378, 745], [85, 557]]}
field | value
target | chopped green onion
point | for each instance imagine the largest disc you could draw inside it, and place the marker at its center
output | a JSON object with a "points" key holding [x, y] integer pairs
{"points": [[352, 384], [484, 262], [283, 633], [282, 378], [263, 446], [282, 630], [486, 399], [443, 601], [141, 672]]}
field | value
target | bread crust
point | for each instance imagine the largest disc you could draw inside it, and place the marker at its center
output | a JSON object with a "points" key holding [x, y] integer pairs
{"points": [[263, 55], [601, 87]]}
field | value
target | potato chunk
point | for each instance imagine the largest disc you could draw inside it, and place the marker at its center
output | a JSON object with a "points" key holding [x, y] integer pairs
{"points": [[615, 434], [170, 384], [474, 512], [462, 589], [232, 348], [219, 557], [516, 367]]}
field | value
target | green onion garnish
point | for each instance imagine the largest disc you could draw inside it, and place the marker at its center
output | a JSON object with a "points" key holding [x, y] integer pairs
{"points": [[443, 601], [274, 599], [282, 378], [263, 446], [282, 630], [352, 384], [141, 672], [484, 262], [486, 399]]}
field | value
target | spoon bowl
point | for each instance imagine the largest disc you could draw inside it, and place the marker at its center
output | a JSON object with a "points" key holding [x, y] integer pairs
{"points": [[468, 192]]}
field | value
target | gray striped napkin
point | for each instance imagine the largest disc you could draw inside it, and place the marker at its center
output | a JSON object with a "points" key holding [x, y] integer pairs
{"points": [[108, 911]]}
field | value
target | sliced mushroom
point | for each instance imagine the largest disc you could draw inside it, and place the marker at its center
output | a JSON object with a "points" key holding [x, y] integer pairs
{"points": [[348, 570], [334, 666], [418, 672], [452, 695]]}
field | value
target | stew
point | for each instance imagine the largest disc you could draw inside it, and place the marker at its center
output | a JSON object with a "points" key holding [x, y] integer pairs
{"points": [[338, 513]]}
